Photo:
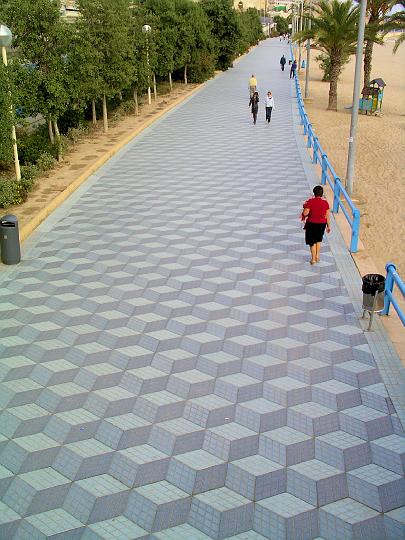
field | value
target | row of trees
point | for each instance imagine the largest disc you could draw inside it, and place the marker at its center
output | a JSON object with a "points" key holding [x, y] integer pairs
{"points": [[333, 30], [59, 66]]}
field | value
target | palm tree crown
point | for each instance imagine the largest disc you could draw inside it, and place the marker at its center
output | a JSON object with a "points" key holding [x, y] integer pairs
{"points": [[333, 30]]}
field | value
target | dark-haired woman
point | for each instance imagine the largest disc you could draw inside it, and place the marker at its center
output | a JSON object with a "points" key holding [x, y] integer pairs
{"points": [[316, 212], [254, 103]]}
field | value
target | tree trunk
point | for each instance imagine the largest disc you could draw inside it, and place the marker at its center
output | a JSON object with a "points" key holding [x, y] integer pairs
{"points": [[368, 56], [170, 81], [120, 95], [58, 143], [154, 87], [334, 77], [136, 101], [185, 74], [105, 115], [50, 130], [93, 112]]}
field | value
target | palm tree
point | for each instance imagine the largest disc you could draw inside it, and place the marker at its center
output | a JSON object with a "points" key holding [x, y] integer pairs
{"points": [[333, 30], [397, 22], [377, 11]]}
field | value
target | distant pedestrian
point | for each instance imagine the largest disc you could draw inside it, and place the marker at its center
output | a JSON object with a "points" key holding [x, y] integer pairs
{"points": [[254, 104], [269, 103], [293, 69], [282, 62], [316, 213], [252, 85]]}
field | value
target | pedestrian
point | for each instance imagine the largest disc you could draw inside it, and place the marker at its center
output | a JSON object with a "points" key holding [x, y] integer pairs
{"points": [[254, 104], [282, 62], [252, 85], [269, 103], [293, 69], [316, 215]]}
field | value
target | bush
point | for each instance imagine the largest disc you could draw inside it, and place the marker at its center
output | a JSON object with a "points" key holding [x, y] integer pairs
{"points": [[29, 173], [32, 145], [74, 134], [46, 162], [11, 192]]}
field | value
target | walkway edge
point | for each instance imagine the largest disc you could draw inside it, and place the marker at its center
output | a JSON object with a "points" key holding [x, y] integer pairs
{"points": [[29, 228]]}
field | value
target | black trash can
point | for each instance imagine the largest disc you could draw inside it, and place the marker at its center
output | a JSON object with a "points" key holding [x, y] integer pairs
{"points": [[373, 292], [9, 240]]}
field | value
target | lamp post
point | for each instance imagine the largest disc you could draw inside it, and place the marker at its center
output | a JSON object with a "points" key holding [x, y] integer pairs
{"points": [[306, 94], [6, 39], [146, 29], [355, 104]]}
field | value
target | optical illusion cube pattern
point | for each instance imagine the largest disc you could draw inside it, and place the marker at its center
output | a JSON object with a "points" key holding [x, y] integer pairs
{"points": [[173, 368]]}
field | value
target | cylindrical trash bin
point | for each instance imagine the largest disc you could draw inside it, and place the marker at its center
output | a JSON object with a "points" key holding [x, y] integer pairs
{"points": [[373, 292], [9, 240]]}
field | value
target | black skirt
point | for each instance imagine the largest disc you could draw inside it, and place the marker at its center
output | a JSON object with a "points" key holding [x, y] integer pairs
{"points": [[314, 232]]}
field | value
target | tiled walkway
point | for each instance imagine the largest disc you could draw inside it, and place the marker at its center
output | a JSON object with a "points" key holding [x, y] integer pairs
{"points": [[172, 366]]}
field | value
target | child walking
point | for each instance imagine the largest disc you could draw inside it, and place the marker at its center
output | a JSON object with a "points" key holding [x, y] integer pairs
{"points": [[269, 103], [254, 104]]}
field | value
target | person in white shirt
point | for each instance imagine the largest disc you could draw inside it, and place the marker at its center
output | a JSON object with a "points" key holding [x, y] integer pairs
{"points": [[269, 103]]}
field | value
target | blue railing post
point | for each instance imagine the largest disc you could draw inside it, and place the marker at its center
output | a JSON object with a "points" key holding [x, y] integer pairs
{"points": [[389, 286], [309, 141], [324, 169], [336, 196], [305, 123], [315, 154], [355, 231]]}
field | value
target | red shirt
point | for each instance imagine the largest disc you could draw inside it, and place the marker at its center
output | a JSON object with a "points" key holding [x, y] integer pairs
{"points": [[317, 209]]}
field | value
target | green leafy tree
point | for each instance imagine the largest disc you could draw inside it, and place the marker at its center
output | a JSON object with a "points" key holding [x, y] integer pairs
{"points": [[251, 29], [194, 45], [334, 27], [281, 24], [107, 27], [41, 39], [165, 31], [226, 30]]}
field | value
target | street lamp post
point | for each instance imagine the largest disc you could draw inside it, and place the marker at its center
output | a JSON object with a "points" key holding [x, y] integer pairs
{"points": [[146, 29], [355, 104], [6, 39], [306, 94]]}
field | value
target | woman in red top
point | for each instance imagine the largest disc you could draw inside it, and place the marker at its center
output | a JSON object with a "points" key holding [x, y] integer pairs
{"points": [[316, 212]]}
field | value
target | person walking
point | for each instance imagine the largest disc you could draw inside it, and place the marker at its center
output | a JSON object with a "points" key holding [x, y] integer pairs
{"points": [[269, 103], [293, 69], [254, 104], [252, 85], [316, 214], [282, 62]]}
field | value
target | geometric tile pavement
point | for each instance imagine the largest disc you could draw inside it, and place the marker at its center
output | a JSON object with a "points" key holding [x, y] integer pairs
{"points": [[172, 368]]}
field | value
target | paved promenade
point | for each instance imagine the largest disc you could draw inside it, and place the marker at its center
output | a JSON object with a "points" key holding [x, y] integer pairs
{"points": [[174, 369]]}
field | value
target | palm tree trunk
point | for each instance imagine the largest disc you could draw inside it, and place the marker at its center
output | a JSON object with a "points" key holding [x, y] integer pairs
{"points": [[333, 85], [368, 56], [93, 112], [136, 101], [170, 81], [105, 115], [185, 74], [50, 131]]}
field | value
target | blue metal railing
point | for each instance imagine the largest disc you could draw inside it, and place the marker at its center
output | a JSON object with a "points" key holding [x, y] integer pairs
{"points": [[392, 279], [350, 211]]}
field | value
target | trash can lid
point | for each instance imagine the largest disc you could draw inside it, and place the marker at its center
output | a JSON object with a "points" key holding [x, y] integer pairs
{"points": [[373, 283], [10, 218]]}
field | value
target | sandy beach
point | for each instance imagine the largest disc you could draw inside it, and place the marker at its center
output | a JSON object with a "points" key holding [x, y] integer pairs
{"points": [[379, 189]]}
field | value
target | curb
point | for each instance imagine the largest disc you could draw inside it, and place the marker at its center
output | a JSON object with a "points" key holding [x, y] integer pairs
{"points": [[29, 228]]}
